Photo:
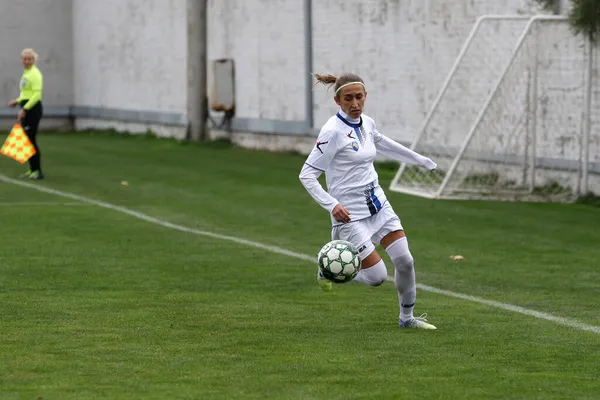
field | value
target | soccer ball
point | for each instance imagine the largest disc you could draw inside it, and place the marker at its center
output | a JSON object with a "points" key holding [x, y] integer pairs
{"points": [[339, 261]]}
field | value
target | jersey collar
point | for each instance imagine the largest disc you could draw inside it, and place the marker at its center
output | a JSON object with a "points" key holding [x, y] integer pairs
{"points": [[342, 115]]}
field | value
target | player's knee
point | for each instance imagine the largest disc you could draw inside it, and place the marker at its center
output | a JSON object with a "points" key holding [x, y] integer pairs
{"points": [[375, 275], [400, 255], [405, 262]]}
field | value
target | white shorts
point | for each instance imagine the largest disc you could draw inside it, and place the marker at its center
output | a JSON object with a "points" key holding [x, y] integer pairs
{"points": [[368, 232]]}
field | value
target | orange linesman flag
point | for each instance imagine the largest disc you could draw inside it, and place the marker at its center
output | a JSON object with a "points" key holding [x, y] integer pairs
{"points": [[17, 145]]}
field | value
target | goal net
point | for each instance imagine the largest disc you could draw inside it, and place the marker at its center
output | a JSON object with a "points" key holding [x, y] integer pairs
{"points": [[507, 122]]}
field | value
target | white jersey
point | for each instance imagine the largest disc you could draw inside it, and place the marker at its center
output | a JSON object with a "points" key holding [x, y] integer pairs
{"points": [[345, 151]]}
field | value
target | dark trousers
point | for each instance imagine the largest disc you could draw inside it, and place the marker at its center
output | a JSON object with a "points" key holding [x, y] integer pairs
{"points": [[30, 125]]}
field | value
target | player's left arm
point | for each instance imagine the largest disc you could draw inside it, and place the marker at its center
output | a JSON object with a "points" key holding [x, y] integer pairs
{"points": [[394, 150]]}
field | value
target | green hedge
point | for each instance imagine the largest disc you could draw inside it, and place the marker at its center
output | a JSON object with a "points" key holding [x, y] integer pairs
{"points": [[584, 15]]}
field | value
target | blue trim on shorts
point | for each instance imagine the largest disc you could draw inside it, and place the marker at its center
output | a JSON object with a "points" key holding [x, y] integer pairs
{"points": [[375, 201], [356, 220]]}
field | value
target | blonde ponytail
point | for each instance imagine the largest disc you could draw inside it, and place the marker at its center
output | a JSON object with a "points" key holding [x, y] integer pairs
{"points": [[344, 79]]}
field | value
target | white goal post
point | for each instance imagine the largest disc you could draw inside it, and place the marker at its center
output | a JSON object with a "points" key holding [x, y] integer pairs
{"points": [[511, 119]]}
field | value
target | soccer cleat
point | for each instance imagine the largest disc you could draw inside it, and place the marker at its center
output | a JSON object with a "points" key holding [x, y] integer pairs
{"points": [[36, 175], [323, 282], [417, 322], [25, 175]]}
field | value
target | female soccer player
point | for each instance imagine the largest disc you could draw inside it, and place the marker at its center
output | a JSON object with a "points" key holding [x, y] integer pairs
{"points": [[345, 151], [30, 101]]}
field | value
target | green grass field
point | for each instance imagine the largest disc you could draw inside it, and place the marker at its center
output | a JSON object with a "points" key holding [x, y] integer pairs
{"points": [[99, 304]]}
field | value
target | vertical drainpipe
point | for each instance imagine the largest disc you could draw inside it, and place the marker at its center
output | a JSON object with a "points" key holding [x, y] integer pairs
{"points": [[197, 69], [308, 64]]}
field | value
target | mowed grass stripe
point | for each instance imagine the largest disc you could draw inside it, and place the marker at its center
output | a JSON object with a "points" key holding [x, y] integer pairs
{"points": [[278, 250]]}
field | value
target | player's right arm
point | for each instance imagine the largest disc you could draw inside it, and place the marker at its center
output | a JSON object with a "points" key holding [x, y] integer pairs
{"points": [[318, 161]]}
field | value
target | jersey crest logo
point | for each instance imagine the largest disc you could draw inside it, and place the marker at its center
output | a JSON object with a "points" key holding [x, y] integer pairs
{"points": [[355, 146], [350, 135], [319, 146]]}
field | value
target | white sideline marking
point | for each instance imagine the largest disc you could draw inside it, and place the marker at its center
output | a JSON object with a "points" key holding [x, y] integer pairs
{"points": [[156, 221], [278, 250], [509, 307]]}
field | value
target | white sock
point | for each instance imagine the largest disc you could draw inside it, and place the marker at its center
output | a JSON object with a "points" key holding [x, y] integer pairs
{"points": [[404, 276], [372, 276]]}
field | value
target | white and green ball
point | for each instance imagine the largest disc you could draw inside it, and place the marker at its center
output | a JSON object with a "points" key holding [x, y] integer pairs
{"points": [[339, 261]]}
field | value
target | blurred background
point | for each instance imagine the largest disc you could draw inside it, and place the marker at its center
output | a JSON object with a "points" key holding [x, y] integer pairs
{"points": [[244, 66]]}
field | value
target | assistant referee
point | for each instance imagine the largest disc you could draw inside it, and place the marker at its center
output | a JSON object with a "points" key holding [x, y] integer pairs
{"points": [[31, 112]]}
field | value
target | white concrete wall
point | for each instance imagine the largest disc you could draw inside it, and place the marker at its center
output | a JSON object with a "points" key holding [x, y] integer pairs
{"points": [[402, 49], [594, 142], [131, 54], [44, 25], [268, 53]]}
